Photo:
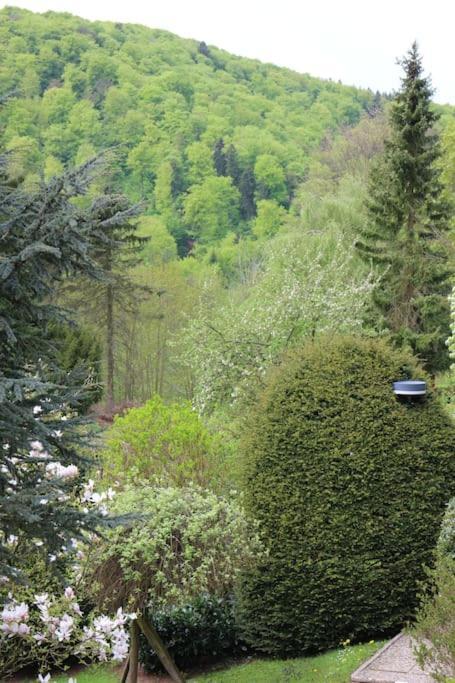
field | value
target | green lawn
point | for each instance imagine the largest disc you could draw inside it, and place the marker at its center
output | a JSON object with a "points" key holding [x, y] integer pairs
{"points": [[335, 666], [94, 674]]}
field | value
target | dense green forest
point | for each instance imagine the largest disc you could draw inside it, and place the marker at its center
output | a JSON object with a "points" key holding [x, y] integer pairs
{"points": [[214, 273], [250, 182]]}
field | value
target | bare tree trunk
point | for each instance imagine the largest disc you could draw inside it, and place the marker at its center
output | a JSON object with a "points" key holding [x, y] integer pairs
{"points": [[126, 669], [134, 652], [110, 346], [160, 648]]}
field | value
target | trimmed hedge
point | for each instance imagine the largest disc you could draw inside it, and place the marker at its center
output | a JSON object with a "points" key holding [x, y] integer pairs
{"points": [[349, 486]]}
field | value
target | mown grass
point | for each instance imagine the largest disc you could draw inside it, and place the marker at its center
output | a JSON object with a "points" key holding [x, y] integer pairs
{"points": [[93, 674], [335, 666]]}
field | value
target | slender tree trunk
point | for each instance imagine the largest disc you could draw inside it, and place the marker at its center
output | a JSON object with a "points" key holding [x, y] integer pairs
{"points": [[134, 652], [126, 669], [161, 650], [110, 346]]}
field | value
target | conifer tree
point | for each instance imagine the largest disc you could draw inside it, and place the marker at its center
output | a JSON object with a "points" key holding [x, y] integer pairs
{"points": [[219, 157], [45, 237], [79, 347], [232, 164], [101, 302], [408, 220], [247, 187]]}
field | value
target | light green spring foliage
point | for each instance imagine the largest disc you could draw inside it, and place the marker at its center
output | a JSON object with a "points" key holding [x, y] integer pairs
{"points": [[160, 247], [212, 208], [304, 287], [187, 542], [446, 541], [436, 618], [148, 359], [164, 443], [269, 219], [164, 102], [451, 339]]}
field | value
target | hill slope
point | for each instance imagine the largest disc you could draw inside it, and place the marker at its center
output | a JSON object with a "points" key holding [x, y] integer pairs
{"points": [[202, 135]]}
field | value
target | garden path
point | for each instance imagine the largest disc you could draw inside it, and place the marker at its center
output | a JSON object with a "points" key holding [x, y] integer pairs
{"points": [[394, 663]]}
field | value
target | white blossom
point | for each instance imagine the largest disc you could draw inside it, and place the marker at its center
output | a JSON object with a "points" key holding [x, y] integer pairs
{"points": [[56, 469]]}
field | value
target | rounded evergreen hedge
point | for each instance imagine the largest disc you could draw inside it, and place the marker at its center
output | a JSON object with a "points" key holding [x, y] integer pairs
{"points": [[349, 485]]}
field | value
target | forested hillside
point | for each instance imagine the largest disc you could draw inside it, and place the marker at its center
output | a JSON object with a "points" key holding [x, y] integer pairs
{"points": [[219, 283], [202, 135], [258, 173]]}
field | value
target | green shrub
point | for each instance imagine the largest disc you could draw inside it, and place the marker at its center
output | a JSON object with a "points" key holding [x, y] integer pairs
{"points": [[165, 443], [348, 485], [436, 617], [180, 543], [446, 541], [203, 630]]}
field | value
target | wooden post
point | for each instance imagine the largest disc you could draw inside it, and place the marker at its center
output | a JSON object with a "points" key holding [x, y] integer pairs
{"points": [[126, 668], [134, 652], [160, 648]]}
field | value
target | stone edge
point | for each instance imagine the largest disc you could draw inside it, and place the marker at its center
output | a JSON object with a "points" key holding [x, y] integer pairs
{"points": [[357, 675]]}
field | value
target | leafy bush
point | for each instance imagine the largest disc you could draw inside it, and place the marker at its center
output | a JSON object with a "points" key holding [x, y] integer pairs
{"points": [[446, 541], [162, 442], [185, 542], [348, 485], [205, 629], [436, 618]]}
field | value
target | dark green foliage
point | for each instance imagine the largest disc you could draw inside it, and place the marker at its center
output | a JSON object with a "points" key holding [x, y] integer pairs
{"points": [[202, 631], [349, 486], [45, 238], [408, 219], [247, 187], [99, 301], [219, 157], [203, 49], [79, 348], [232, 164]]}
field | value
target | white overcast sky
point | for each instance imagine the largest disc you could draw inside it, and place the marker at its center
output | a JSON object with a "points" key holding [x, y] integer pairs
{"points": [[355, 41]]}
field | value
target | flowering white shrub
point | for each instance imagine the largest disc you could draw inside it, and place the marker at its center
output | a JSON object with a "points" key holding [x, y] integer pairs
{"points": [[306, 288], [56, 469], [45, 630], [52, 628]]}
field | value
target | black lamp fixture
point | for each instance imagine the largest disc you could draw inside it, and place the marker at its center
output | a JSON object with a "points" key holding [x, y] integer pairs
{"points": [[410, 389]]}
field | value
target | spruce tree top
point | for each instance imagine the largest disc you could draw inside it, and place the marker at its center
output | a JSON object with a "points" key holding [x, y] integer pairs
{"points": [[407, 222]]}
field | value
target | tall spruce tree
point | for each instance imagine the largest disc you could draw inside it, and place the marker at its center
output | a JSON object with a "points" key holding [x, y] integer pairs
{"points": [[45, 237], [408, 221]]}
